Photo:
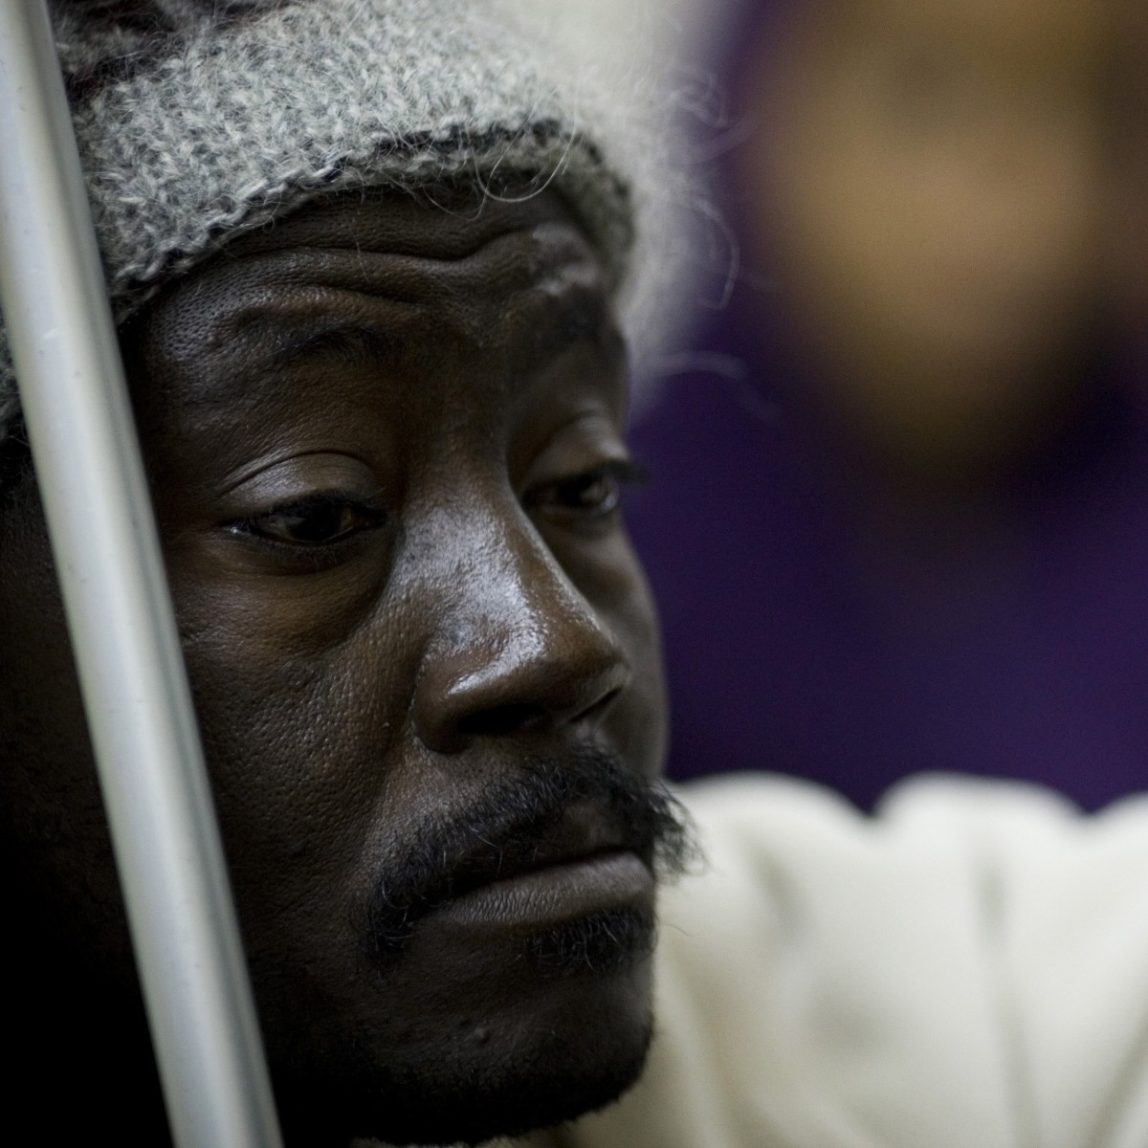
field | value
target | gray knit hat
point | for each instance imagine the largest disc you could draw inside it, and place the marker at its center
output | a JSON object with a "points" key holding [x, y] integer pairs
{"points": [[201, 119]]}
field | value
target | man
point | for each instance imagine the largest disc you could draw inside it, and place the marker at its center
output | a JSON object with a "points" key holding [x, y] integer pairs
{"points": [[380, 386]]}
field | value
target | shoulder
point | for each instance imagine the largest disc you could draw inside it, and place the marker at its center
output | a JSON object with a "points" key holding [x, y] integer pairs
{"points": [[967, 964], [1008, 853]]}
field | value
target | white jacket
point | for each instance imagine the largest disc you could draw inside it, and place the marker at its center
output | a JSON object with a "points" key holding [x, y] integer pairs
{"points": [[968, 969]]}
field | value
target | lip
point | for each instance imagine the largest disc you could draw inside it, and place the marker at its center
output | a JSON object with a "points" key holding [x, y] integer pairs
{"points": [[550, 894], [584, 833], [521, 876]]}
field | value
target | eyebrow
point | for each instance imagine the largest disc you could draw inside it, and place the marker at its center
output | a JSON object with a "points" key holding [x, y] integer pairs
{"points": [[330, 336], [284, 341], [580, 314], [290, 340]]}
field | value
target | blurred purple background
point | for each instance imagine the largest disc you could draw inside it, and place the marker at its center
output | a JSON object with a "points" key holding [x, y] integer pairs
{"points": [[1012, 643]]}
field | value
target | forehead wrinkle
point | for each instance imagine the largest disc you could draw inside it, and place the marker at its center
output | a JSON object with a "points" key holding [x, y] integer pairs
{"points": [[308, 324], [555, 295], [517, 257], [262, 338], [535, 291]]}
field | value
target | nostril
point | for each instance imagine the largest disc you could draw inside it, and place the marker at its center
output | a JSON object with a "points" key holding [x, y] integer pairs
{"points": [[499, 721], [550, 666], [596, 710]]}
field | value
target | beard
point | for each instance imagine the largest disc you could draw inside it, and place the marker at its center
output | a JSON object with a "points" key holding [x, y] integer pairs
{"points": [[504, 832], [550, 1073]]}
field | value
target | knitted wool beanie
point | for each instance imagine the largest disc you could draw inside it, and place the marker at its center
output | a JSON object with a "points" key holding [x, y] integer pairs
{"points": [[198, 120]]}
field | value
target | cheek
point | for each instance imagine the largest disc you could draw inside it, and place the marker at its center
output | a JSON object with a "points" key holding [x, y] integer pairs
{"points": [[299, 741], [619, 591], [272, 733]]}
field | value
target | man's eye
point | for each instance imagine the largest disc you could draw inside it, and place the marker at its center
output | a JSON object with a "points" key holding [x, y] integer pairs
{"points": [[595, 493], [319, 521]]}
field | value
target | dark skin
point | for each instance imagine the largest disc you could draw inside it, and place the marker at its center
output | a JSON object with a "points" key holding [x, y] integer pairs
{"points": [[385, 445]]}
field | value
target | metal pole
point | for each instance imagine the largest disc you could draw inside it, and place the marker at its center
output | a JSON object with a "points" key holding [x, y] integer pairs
{"points": [[123, 630]]}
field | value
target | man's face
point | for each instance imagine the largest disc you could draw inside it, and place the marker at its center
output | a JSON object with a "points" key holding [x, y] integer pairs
{"points": [[933, 177], [385, 444]]}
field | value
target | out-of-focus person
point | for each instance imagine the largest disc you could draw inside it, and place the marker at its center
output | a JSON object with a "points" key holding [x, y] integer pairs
{"points": [[927, 187], [902, 498]]}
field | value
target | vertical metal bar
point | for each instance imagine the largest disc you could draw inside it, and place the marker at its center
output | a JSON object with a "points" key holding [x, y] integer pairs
{"points": [[119, 613]]}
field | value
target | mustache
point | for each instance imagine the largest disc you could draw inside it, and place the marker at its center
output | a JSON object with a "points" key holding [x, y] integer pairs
{"points": [[505, 831]]}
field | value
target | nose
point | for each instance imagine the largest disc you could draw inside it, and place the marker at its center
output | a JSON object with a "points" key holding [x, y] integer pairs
{"points": [[514, 645]]}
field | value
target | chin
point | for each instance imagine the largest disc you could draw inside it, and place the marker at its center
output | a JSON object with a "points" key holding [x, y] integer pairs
{"points": [[491, 1064], [540, 1088]]}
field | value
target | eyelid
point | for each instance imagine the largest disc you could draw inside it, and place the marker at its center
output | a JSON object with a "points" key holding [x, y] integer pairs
{"points": [[292, 477], [372, 509], [551, 498], [324, 497], [625, 470], [374, 503]]}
